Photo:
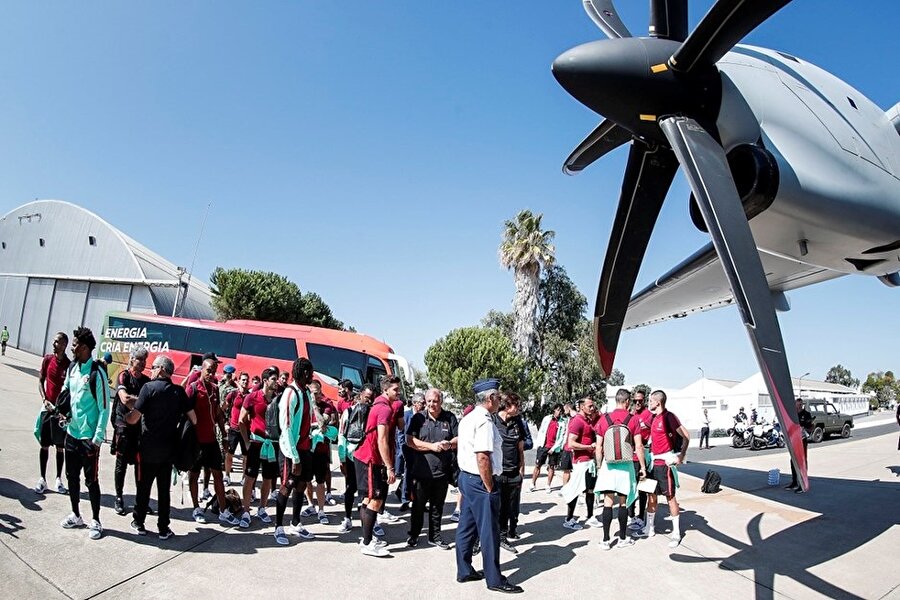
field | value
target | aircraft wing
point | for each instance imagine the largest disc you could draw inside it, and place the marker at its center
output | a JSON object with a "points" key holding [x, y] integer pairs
{"points": [[699, 284]]}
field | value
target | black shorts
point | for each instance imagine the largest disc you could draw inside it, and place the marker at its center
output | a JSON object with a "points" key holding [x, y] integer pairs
{"points": [[306, 467], [210, 458], [371, 480], [665, 483], [254, 462], [235, 439], [320, 466], [545, 456], [126, 441], [52, 433], [82, 455], [565, 460]]}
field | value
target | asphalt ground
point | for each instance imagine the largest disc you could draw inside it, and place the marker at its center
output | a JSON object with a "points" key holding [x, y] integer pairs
{"points": [[750, 540]]}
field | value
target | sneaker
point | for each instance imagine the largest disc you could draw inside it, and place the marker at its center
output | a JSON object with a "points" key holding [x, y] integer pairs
{"points": [[329, 499], [387, 517], [72, 522], [138, 528], [309, 511], [119, 507], [605, 544], [95, 531], [404, 507], [41, 486], [636, 524], [374, 550], [549, 490], [674, 541], [572, 524], [206, 495], [198, 515], [378, 530], [504, 543], [273, 495], [263, 515], [60, 488], [164, 535], [412, 542], [454, 491], [627, 542], [787, 487], [512, 535], [375, 541], [300, 531], [280, 537], [323, 519], [593, 522], [439, 543], [227, 518], [245, 520], [455, 516], [226, 480], [346, 526], [532, 489]]}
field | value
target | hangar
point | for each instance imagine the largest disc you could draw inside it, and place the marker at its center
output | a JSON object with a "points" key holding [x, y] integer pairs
{"points": [[62, 266]]}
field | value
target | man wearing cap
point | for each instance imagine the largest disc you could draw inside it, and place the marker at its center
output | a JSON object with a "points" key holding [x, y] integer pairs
{"points": [[481, 463]]}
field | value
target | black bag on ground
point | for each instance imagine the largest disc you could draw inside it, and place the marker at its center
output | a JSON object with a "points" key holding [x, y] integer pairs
{"points": [[712, 483]]}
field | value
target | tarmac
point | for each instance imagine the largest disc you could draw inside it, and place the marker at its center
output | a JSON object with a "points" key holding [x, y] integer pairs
{"points": [[750, 540]]}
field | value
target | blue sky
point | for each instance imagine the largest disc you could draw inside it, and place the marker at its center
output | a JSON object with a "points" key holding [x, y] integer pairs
{"points": [[371, 152]]}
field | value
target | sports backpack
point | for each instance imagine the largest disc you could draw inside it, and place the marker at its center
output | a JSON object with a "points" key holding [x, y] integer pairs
{"points": [[618, 443], [64, 400], [355, 426], [273, 425], [712, 483]]}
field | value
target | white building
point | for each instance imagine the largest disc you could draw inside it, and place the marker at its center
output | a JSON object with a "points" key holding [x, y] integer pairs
{"points": [[62, 266], [723, 398]]}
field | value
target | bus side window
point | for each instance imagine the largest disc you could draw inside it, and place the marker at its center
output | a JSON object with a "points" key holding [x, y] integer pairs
{"points": [[375, 371], [196, 360], [353, 374]]}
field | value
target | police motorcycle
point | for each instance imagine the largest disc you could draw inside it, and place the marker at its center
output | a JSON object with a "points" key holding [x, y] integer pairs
{"points": [[741, 434], [766, 435]]}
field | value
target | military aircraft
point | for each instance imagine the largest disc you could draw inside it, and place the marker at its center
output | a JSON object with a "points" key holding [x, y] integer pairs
{"points": [[795, 175]]}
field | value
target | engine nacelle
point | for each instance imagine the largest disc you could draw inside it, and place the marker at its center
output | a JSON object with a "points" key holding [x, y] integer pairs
{"points": [[755, 175]]}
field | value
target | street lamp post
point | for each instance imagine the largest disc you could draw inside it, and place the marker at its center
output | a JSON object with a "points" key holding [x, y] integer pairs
{"points": [[800, 385]]}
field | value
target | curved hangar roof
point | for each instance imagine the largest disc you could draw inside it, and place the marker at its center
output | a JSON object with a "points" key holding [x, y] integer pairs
{"points": [[58, 240]]}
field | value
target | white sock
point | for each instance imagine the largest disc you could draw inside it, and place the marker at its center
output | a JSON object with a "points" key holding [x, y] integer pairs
{"points": [[650, 526], [676, 528]]}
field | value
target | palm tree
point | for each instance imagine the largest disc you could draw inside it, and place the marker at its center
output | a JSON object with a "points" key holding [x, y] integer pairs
{"points": [[525, 248]]}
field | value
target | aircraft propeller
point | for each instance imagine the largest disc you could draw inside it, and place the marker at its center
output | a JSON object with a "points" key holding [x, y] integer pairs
{"points": [[663, 93]]}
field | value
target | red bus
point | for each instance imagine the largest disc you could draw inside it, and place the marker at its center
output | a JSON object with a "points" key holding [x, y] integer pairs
{"points": [[251, 346]]}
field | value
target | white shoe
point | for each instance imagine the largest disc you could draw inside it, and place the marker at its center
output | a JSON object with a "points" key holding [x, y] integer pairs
{"points": [[532, 489], [605, 545], [245, 520], [206, 495], [626, 543], [323, 519], [549, 490], [41, 486], [593, 522], [273, 495], [227, 518], [374, 550], [329, 500], [226, 480], [280, 537], [60, 488], [198, 515], [263, 515], [72, 522], [378, 530], [95, 531], [572, 524], [300, 531], [455, 516], [674, 541], [346, 526], [309, 511], [388, 518], [636, 523]]}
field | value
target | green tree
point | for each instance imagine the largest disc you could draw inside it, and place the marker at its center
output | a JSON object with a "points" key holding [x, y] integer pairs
{"points": [[641, 387], [560, 313], [885, 387], [266, 296], [841, 375], [467, 354], [525, 248]]}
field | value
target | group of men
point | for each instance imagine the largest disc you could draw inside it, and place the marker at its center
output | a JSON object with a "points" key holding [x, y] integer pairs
{"points": [[285, 428]]}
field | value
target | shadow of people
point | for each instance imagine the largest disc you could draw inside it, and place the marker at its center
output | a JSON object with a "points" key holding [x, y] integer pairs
{"points": [[795, 551], [10, 525], [539, 559], [26, 496]]}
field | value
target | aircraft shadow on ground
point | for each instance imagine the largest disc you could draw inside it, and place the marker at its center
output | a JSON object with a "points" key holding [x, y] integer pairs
{"points": [[27, 370], [895, 469], [852, 514]]}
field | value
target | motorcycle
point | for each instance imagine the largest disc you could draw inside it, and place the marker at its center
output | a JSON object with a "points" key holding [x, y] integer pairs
{"points": [[766, 436], [741, 434]]}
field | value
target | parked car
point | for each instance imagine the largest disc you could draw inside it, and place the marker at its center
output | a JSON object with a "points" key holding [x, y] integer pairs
{"points": [[827, 420]]}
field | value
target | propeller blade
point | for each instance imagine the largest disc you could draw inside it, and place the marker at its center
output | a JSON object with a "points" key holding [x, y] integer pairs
{"points": [[726, 23], [648, 175], [706, 167], [603, 13], [606, 137]]}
